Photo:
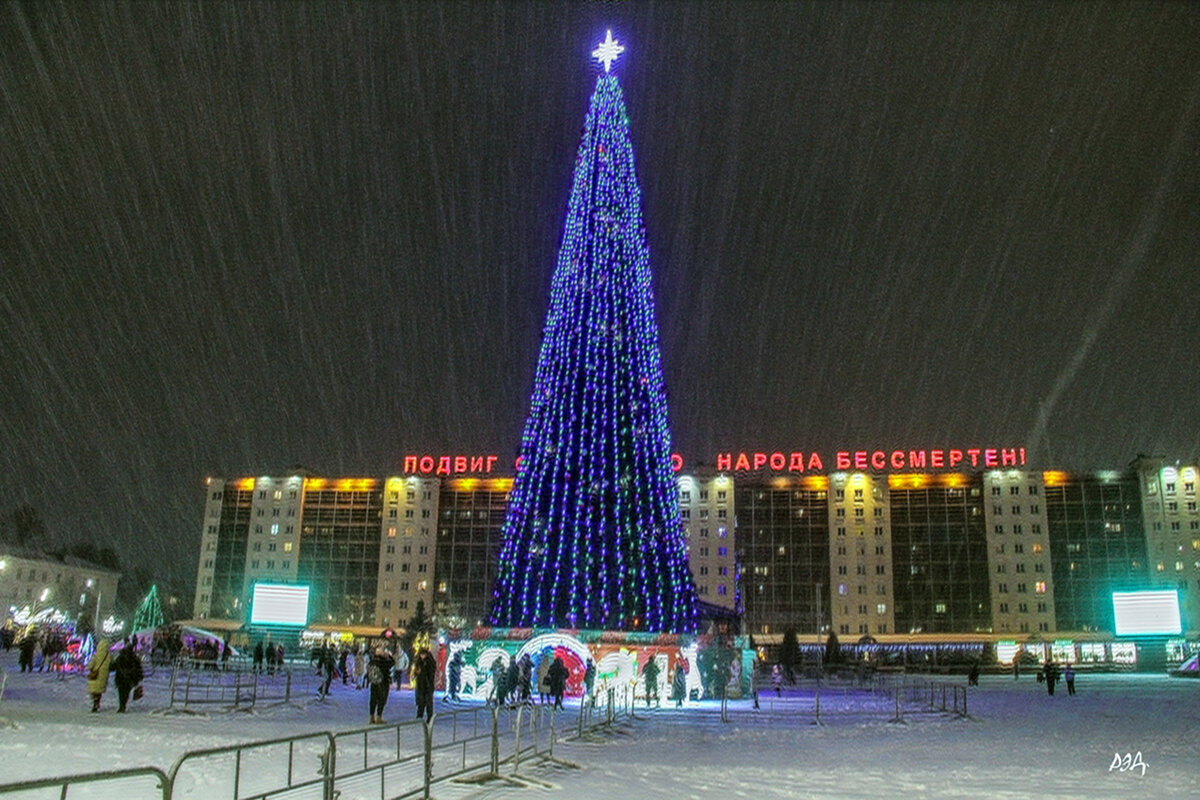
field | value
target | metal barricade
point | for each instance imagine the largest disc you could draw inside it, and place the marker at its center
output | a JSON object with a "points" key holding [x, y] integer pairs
{"points": [[232, 690], [388, 762], [301, 767], [138, 783], [381, 762]]}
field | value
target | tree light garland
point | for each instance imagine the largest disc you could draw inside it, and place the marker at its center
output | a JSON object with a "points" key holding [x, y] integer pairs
{"points": [[593, 536]]}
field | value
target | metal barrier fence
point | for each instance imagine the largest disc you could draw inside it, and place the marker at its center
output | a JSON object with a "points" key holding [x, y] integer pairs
{"points": [[195, 685], [298, 766], [190, 688], [822, 700], [138, 783], [392, 761]]}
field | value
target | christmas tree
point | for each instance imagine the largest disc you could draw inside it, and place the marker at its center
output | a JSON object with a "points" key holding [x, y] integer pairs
{"points": [[593, 537], [149, 612]]}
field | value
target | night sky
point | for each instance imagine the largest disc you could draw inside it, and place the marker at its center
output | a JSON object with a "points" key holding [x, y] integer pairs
{"points": [[237, 238]]}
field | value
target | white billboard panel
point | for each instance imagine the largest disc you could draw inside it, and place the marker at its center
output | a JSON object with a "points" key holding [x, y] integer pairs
{"points": [[279, 604]]}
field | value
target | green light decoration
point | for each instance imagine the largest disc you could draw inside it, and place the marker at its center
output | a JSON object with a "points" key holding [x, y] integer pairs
{"points": [[149, 612]]}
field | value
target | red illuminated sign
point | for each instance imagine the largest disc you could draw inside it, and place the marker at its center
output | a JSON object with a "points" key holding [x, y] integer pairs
{"points": [[449, 465], [875, 460]]}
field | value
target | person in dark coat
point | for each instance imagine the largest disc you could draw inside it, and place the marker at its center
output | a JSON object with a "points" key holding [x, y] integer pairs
{"points": [[499, 679], [679, 684], [454, 676], [556, 680], [328, 669], [343, 657], [650, 673], [27, 647], [379, 679], [1069, 677], [512, 680], [525, 677], [128, 674], [270, 658], [973, 674], [424, 671], [1051, 676]]}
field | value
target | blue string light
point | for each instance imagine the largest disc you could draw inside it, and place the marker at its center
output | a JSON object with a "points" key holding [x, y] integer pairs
{"points": [[593, 536]]}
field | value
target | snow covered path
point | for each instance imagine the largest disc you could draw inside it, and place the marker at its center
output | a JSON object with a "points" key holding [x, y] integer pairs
{"points": [[1018, 743]]}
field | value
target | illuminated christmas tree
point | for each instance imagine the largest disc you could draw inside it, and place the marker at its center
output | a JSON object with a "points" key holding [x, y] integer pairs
{"points": [[593, 537], [149, 613]]}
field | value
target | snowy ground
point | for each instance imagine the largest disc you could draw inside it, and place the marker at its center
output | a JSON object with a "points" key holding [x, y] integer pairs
{"points": [[1018, 743]]}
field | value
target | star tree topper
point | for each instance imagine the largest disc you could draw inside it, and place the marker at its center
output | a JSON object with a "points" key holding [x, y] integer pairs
{"points": [[608, 51]]}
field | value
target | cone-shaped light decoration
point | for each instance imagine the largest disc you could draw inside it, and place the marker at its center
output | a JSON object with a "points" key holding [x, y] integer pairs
{"points": [[593, 537]]}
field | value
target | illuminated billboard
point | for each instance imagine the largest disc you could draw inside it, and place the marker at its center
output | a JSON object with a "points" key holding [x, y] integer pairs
{"points": [[1147, 613], [279, 604]]}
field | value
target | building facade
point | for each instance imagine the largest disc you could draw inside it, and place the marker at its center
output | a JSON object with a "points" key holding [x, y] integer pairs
{"points": [[33, 582], [861, 553]]}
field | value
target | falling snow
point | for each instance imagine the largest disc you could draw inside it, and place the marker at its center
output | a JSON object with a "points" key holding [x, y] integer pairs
{"points": [[239, 237]]}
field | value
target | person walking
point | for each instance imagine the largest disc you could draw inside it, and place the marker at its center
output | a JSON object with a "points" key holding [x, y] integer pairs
{"points": [[679, 683], [128, 674], [650, 674], [343, 657], [776, 678], [525, 678], [27, 647], [379, 680], [97, 676], [454, 676], [1069, 677], [328, 668], [258, 656], [424, 671], [499, 677], [512, 680], [556, 680], [973, 674]]}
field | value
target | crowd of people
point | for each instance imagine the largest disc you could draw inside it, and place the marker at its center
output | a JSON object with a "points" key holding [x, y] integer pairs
{"points": [[379, 667], [514, 684]]}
